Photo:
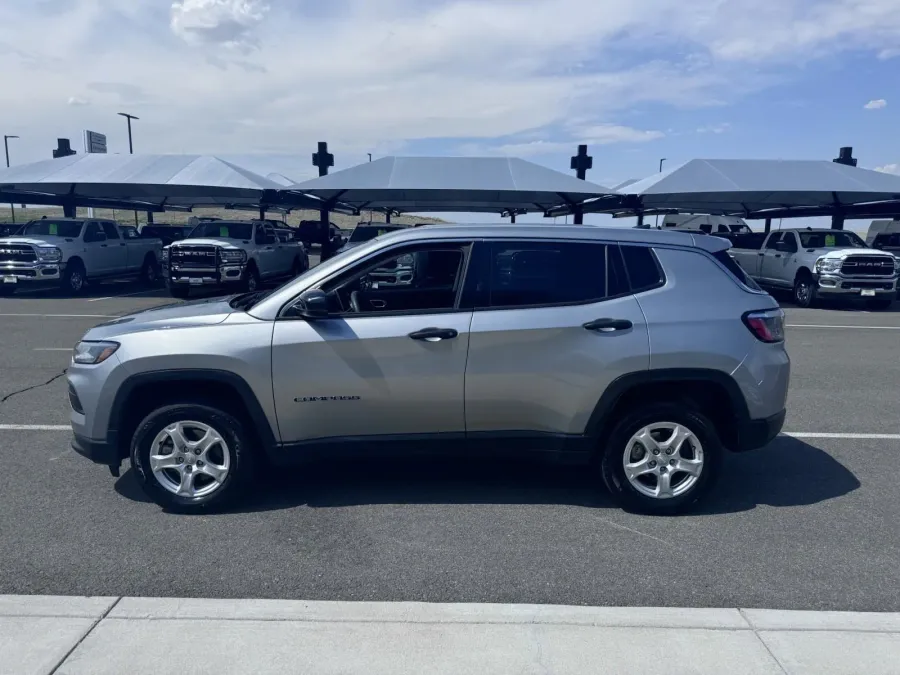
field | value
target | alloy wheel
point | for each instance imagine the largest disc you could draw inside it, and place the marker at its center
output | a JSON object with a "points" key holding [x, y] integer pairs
{"points": [[663, 460], [190, 459]]}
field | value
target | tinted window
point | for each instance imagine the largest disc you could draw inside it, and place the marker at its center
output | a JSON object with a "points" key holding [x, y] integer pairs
{"points": [[643, 271], [92, 231], [130, 232], [887, 240], [53, 228], [529, 273], [223, 230], [110, 230], [368, 232], [770, 243], [731, 265], [835, 239]]}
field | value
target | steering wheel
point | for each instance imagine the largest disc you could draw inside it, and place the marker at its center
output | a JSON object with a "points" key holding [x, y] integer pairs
{"points": [[354, 302]]}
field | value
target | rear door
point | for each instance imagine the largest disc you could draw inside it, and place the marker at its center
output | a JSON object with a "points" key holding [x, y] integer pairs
{"points": [[554, 324], [387, 362]]}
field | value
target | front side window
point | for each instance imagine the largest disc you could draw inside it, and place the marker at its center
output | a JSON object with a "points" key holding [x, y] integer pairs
{"points": [[93, 232], [420, 279], [529, 273], [110, 230]]}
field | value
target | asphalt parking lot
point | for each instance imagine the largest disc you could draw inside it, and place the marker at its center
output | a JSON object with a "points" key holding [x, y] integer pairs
{"points": [[810, 522]]}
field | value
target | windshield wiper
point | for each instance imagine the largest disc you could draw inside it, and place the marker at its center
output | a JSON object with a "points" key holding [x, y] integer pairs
{"points": [[245, 301]]}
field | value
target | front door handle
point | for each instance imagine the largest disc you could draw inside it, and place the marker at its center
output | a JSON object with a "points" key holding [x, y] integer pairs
{"points": [[608, 325], [777, 255], [434, 334]]}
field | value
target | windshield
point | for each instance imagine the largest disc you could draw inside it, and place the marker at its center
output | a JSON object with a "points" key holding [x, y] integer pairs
{"points": [[53, 228], [369, 232], [219, 230], [836, 239]]}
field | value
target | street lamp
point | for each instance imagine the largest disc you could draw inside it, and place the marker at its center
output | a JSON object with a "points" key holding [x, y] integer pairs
{"points": [[12, 207], [129, 118], [660, 170]]}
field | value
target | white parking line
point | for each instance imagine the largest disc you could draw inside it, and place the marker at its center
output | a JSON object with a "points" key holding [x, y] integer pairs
{"points": [[35, 427], [122, 295], [815, 325], [52, 349], [68, 316]]}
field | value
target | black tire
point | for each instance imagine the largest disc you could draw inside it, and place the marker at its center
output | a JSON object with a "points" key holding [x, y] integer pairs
{"points": [[612, 464], [239, 474], [804, 294], [297, 268], [880, 304], [250, 282], [180, 292], [150, 271], [74, 279]]}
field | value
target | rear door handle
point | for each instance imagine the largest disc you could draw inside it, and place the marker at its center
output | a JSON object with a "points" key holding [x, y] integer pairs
{"points": [[760, 253], [434, 334], [608, 325]]}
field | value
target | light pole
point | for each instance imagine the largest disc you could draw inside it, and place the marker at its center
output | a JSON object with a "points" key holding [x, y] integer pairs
{"points": [[129, 118], [12, 207], [130, 148], [660, 170]]}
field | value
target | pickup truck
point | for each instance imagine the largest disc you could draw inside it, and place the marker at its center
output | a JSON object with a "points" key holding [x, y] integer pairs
{"points": [[70, 252], [818, 263], [237, 254]]}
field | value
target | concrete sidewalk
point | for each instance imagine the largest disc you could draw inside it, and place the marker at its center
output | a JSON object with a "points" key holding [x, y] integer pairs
{"points": [[73, 635]]}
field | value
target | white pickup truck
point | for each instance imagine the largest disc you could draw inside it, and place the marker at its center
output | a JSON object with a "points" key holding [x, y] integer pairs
{"points": [[235, 254], [818, 263], [70, 252]]}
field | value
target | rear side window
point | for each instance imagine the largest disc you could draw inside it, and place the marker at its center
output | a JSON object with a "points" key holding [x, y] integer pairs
{"points": [[529, 273], [731, 265], [644, 272]]}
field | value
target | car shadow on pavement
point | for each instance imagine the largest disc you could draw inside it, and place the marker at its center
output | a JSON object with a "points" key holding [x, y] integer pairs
{"points": [[787, 472]]}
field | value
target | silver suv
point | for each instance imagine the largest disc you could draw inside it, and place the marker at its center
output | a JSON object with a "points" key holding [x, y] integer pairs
{"points": [[649, 352]]}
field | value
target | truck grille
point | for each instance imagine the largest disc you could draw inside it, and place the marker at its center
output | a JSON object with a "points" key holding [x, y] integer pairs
{"points": [[17, 253], [868, 266], [193, 257]]}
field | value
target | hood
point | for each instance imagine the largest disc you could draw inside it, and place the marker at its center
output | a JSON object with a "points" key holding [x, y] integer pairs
{"points": [[43, 241], [841, 253], [204, 312], [218, 243]]}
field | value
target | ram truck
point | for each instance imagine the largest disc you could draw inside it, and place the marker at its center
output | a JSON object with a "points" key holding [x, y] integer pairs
{"points": [[818, 264]]}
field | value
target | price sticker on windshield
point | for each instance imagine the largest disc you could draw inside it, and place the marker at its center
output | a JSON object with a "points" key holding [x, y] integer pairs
{"points": [[54, 228], [829, 240], [223, 231]]}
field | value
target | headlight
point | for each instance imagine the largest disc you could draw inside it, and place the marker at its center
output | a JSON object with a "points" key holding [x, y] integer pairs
{"points": [[93, 353], [165, 254], [896, 265], [49, 254], [828, 265], [233, 256]]}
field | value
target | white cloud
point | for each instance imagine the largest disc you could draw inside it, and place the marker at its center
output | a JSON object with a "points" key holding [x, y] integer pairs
{"points": [[225, 22], [606, 134], [714, 128], [889, 53], [78, 101], [889, 168], [876, 104]]}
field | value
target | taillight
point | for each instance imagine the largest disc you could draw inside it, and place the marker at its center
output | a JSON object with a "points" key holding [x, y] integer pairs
{"points": [[766, 325]]}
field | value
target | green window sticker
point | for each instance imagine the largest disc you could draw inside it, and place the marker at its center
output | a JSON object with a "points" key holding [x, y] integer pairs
{"points": [[223, 231], [54, 228], [829, 240]]}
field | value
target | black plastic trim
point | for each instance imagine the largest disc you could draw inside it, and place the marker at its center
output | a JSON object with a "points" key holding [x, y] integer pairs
{"points": [[251, 403], [757, 433], [99, 452]]}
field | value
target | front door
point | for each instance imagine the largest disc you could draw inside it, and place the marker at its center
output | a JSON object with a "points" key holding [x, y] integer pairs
{"points": [[776, 263], [389, 361]]}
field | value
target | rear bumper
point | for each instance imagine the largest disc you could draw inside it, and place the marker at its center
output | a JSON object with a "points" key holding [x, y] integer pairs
{"points": [[99, 452], [755, 434]]}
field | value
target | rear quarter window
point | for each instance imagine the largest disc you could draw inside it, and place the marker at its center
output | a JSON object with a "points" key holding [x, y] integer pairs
{"points": [[644, 272], [736, 271]]}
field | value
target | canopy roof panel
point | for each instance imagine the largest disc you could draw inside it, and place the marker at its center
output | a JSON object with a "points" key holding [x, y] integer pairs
{"points": [[451, 184]]}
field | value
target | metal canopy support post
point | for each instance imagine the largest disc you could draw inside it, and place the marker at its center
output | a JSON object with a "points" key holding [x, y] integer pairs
{"points": [[322, 159], [580, 163], [640, 218], [262, 212], [837, 221], [512, 216], [69, 210], [845, 157], [387, 216], [149, 217], [768, 225]]}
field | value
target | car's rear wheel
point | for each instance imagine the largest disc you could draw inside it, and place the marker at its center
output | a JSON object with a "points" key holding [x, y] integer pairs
{"points": [[251, 279], [149, 271], [192, 458], [804, 291], [662, 458]]}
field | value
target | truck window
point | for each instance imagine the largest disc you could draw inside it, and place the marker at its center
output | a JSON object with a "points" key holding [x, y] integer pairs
{"points": [[110, 230], [772, 240], [53, 228], [831, 239]]}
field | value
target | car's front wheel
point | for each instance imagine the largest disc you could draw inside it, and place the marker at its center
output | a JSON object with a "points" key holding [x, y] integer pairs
{"points": [[192, 458], [661, 458]]}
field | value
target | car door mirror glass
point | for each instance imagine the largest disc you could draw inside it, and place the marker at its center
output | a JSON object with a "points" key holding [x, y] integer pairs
{"points": [[313, 304]]}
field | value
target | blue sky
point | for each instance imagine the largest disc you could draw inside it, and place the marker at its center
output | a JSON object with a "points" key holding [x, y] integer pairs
{"points": [[636, 79]]}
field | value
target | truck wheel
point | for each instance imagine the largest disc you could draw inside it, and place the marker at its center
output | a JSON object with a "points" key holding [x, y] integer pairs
{"points": [[180, 292], [804, 291], [192, 458], [73, 280], [150, 271], [297, 268], [251, 279], [880, 304], [661, 458]]}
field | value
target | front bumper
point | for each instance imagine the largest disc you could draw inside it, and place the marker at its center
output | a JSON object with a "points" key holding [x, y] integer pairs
{"points": [[754, 434], [230, 273], [840, 285], [13, 273], [99, 452]]}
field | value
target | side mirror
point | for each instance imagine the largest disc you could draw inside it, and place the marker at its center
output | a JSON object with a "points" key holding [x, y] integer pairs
{"points": [[313, 304]]}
